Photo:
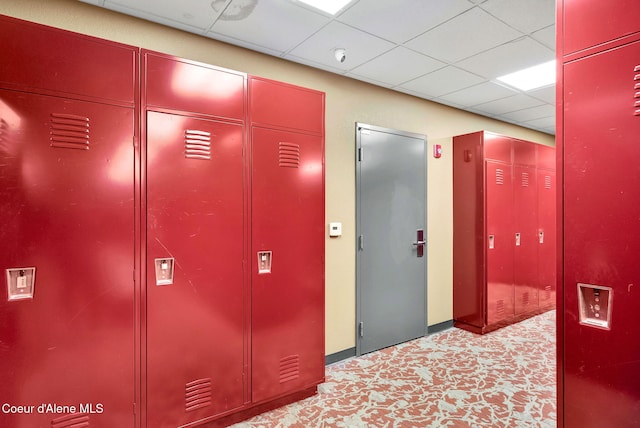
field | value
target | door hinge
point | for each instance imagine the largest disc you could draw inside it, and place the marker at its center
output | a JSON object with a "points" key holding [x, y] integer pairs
{"points": [[361, 242], [361, 329], [360, 154]]}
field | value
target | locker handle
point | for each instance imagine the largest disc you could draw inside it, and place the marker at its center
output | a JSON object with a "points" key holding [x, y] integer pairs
{"points": [[541, 236], [420, 243], [517, 239], [491, 242]]}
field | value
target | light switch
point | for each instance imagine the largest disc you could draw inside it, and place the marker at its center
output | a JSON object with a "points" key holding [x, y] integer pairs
{"points": [[335, 229]]}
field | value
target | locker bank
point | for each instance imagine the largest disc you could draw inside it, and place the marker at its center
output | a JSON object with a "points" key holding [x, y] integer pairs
{"points": [[181, 244]]}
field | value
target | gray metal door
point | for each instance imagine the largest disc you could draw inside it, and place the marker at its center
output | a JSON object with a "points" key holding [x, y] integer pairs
{"points": [[391, 261]]}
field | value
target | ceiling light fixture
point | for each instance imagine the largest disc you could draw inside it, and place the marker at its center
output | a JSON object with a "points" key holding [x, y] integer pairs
{"points": [[329, 6], [234, 11], [530, 78]]}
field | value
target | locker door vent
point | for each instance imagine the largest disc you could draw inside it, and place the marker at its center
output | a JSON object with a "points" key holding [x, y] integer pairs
{"points": [[500, 307], [547, 292], [73, 420], [69, 131], [197, 144], [636, 90], [499, 176], [525, 299], [289, 155], [197, 394], [547, 182], [4, 130], [525, 179], [289, 368]]}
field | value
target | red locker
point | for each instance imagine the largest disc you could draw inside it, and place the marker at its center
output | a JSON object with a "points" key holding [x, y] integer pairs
{"points": [[600, 118], [546, 185], [500, 240], [496, 231], [195, 334], [149, 305], [287, 239], [589, 23], [52, 61], [67, 210], [525, 209]]}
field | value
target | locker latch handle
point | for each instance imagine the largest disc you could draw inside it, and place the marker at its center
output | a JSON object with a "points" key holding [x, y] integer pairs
{"points": [[517, 239], [491, 242], [541, 236]]}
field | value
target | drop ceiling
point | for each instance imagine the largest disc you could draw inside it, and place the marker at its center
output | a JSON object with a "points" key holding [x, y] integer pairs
{"points": [[447, 51]]}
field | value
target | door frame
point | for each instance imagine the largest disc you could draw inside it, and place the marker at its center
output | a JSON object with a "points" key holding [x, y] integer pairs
{"points": [[358, 153]]}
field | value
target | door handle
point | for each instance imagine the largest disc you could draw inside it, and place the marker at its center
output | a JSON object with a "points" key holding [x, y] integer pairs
{"points": [[420, 242]]}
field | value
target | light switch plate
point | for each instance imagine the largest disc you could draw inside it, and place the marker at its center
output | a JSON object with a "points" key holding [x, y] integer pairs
{"points": [[335, 229]]}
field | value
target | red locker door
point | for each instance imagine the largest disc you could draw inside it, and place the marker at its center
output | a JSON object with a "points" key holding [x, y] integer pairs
{"points": [[592, 22], [287, 262], [500, 242], [67, 209], [602, 237], [546, 238], [525, 206], [195, 223]]}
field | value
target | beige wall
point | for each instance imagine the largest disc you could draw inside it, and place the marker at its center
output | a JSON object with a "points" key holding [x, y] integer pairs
{"points": [[348, 101]]}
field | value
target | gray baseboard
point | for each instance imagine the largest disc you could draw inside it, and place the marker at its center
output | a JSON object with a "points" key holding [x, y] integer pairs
{"points": [[436, 328], [351, 352], [339, 356]]}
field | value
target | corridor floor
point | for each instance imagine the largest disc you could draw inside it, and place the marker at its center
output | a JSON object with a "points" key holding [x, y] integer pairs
{"points": [[449, 379]]}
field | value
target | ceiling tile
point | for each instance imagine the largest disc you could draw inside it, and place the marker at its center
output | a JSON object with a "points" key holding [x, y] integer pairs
{"points": [[548, 122], [361, 47], [507, 58], [546, 36], [329, 66], [382, 18], [546, 94], [478, 94], [524, 15], [463, 36], [443, 81], [279, 25], [508, 104], [244, 44], [191, 14], [532, 113], [397, 66], [444, 51], [95, 2]]}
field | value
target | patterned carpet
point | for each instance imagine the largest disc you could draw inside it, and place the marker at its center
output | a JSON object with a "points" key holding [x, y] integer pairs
{"points": [[449, 379]]}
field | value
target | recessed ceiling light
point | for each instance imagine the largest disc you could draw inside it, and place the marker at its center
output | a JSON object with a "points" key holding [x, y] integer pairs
{"points": [[533, 77], [329, 6]]}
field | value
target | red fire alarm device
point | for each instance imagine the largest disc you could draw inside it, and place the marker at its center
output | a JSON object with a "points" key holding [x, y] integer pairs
{"points": [[437, 151]]}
